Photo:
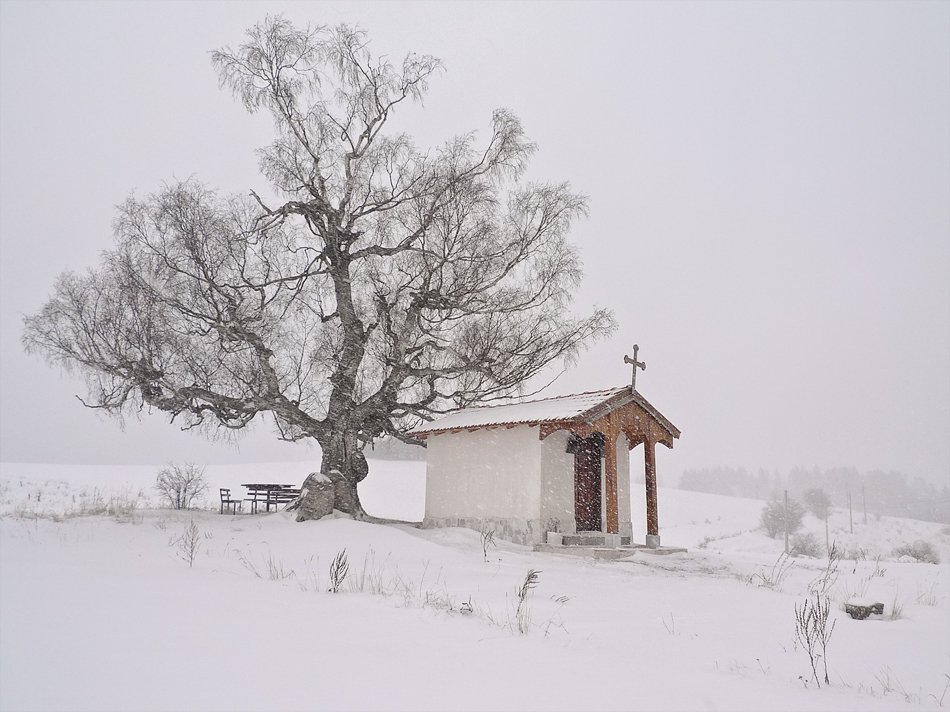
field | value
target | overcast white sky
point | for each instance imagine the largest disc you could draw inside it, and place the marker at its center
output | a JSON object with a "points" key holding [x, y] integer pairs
{"points": [[769, 183]]}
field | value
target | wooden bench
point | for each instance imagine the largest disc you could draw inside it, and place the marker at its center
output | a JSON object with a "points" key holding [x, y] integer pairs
{"points": [[256, 497], [226, 501], [270, 495], [281, 497]]}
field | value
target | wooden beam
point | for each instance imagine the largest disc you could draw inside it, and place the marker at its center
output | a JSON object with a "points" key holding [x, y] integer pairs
{"points": [[649, 459], [610, 483]]}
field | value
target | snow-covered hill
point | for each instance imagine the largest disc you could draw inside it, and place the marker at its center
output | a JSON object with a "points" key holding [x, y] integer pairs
{"points": [[104, 612]]}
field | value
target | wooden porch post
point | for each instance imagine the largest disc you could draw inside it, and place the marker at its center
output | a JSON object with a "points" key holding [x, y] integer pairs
{"points": [[610, 482], [649, 457]]}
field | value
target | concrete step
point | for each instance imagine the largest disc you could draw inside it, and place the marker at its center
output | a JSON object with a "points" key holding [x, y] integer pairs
{"points": [[590, 539], [589, 552], [596, 552]]}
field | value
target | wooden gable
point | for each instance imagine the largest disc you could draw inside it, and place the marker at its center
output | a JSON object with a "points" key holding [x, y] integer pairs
{"points": [[627, 413]]}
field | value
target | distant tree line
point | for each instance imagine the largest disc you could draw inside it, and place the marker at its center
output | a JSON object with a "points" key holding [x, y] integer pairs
{"points": [[392, 449], [884, 492]]}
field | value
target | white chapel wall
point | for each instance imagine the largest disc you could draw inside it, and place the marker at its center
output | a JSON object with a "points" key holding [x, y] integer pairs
{"points": [[485, 478], [557, 484]]}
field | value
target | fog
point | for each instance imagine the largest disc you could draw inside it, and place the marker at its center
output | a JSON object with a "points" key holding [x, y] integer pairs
{"points": [[769, 188]]}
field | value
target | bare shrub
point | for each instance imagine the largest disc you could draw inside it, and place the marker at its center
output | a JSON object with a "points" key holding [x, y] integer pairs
{"points": [[189, 543], [339, 568], [773, 517], [813, 632], [804, 544], [817, 502], [180, 485], [922, 551]]}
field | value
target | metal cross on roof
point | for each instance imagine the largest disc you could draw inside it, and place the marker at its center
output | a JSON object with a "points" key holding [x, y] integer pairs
{"points": [[636, 364]]}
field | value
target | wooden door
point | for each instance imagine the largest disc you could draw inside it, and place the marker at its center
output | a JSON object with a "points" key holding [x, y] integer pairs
{"points": [[587, 501]]}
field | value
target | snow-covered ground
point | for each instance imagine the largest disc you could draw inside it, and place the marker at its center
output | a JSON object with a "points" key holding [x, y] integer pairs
{"points": [[103, 611]]}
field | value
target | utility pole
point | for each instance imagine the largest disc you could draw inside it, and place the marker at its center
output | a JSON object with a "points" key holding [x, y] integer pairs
{"points": [[786, 522], [850, 512], [864, 500]]}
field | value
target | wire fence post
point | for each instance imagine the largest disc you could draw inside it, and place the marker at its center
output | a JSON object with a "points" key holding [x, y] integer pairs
{"points": [[850, 512], [786, 522], [827, 542]]}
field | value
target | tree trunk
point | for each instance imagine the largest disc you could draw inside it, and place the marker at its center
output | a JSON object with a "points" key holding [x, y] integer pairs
{"points": [[345, 466]]}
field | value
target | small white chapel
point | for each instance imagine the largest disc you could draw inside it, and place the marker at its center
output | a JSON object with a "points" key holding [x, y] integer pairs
{"points": [[538, 470]]}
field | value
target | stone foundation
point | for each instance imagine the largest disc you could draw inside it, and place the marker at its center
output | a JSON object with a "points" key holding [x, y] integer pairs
{"points": [[518, 531]]}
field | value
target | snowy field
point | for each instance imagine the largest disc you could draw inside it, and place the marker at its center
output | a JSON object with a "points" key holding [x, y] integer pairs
{"points": [[100, 609]]}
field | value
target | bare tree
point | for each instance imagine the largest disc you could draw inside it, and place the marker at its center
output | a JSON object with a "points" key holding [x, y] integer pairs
{"points": [[180, 485], [391, 284]]}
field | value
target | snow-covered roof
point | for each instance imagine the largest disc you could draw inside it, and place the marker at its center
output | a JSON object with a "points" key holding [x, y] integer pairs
{"points": [[579, 406], [536, 411]]}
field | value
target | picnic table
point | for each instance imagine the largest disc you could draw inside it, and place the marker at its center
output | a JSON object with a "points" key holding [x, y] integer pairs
{"points": [[272, 495]]}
